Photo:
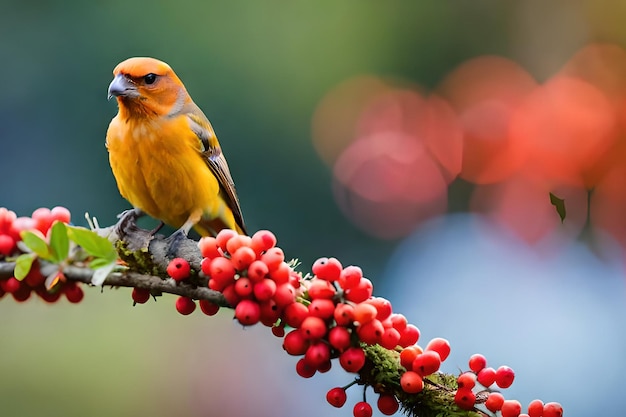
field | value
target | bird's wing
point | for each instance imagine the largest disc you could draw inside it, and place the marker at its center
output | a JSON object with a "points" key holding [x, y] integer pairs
{"points": [[216, 161]]}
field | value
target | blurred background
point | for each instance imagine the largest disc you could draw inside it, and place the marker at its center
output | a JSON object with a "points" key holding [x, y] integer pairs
{"points": [[418, 140]]}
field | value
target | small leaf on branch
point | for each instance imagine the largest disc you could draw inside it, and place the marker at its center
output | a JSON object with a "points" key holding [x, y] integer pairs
{"points": [[53, 280], [35, 241], [95, 245], [101, 273], [59, 242], [559, 204], [23, 264]]}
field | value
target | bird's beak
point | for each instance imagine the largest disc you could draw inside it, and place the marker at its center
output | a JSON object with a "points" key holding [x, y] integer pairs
{"points": [[121, 86]]}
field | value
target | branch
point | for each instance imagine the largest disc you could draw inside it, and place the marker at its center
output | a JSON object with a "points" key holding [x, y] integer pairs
{"points": [[331, 314], [157, 285]]}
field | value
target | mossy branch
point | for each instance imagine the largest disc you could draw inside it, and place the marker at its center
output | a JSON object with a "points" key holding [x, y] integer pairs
{"points": [[146, 257]]}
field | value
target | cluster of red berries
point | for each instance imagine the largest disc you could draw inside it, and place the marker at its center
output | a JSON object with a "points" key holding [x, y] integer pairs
{"points": [[48, 288], [502, 377], [331, 315]]}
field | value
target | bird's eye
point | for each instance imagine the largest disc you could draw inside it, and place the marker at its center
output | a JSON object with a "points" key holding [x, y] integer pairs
{"points": [[150, 78]]}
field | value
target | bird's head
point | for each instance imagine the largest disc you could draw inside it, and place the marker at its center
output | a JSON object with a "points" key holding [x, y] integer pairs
{"points": [[148, 87]]}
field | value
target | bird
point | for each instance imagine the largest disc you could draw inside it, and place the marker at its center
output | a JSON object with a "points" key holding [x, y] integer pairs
{"points": [[164, 154]]}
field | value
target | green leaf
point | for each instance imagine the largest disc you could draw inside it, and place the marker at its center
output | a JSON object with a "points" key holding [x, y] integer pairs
{"points": [[36, 242], [101, 273], [59, 242], [23, 264], [95, 245], [99, 263], [559, 204]]}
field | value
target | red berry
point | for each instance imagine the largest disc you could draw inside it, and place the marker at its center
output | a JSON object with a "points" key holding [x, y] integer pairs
{"points": [[494, 401], [535, 408], [350, 277], [305, 369], [262, 241], [317, 354], [383, 307], [237, 242], [243, 287], [257, 271], [321, 289], [408, 355], [411, 382], [360, 292], [339, 338], [398, 321], [264, 290], [336, 397], [281, 274], [344, 314], [486, 377], [185, 305], [209, 308], [208, 247], [504, 377], [295, 343], [427, 363], [178, 269], [20, 224], [313, 328], [467, 380], [270, 313], [43, 219], [7, 217], [10, 285], [140, 295], [294, 314], [439, 345], [390, 338], [465, 398], [327, 269], [73, 292], [223, 237], [273, 257], [278, 331], [22, 294], [362, 409], [322, 308], [409, 336], [61, 214], [7, 244], [49, 297], [205, 266], [352, 359], [34, 278], [285, 294], [477, 362], [248, 312], [511, 408], [229, 293], [387, 404], [242, 258], [221, 270], [364, 313], [552, 409], [371, 332]]}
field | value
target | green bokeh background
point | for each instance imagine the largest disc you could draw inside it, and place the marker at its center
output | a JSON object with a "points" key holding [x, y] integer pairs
{"points": [[257, 69]]}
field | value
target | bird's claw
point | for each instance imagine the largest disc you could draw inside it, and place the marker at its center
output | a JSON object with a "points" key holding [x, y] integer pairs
{"points": [[174, 241]]}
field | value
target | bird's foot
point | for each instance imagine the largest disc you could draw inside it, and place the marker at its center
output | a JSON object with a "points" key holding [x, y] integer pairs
{"points": [[156, 229], [127, 230], [128, 220], [174, 241]]}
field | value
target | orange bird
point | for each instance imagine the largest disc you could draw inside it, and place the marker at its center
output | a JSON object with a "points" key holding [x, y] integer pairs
{"points": [[164, 153]]}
